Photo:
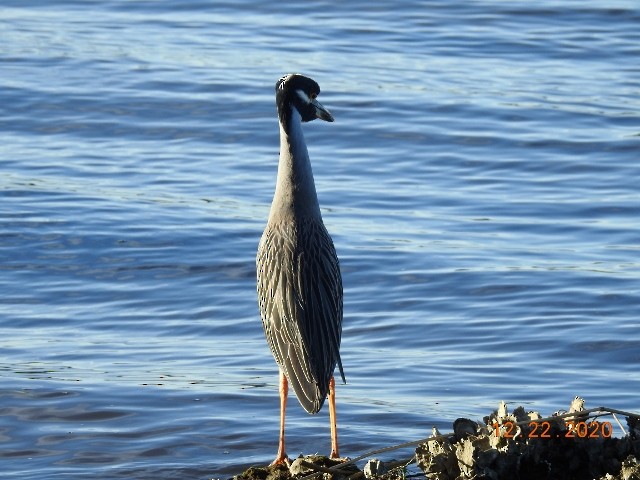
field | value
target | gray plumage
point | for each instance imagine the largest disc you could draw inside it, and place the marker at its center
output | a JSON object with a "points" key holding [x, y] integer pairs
{"points": [[299, 282]]}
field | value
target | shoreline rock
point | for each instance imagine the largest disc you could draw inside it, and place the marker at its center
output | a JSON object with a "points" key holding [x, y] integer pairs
{"points": [[576, 445]]}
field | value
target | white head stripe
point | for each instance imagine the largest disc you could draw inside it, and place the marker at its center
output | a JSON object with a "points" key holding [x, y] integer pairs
{"points": [[305, 98]]}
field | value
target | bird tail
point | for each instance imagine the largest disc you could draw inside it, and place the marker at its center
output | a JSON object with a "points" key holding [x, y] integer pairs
{"points": [[344, 380]]}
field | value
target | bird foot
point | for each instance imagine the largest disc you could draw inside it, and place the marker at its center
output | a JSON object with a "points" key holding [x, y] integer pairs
{"points": [[281, 459]]}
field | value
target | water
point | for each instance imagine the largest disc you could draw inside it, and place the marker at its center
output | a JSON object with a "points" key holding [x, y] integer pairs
{"points": [[480, 183]]}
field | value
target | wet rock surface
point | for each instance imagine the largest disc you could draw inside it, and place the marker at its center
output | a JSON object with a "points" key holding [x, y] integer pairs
{"points": [[518, 445], [299, 468]]}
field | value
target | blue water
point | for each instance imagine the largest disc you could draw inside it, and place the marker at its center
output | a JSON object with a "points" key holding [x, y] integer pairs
{"points": [[481, 184]]}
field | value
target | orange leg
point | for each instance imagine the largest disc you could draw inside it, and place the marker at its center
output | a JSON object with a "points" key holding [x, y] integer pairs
{"points": [[281, 456], [332, 419]]}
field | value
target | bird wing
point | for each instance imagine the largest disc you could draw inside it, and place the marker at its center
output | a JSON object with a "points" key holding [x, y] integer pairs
{"points": [[300, 298]]}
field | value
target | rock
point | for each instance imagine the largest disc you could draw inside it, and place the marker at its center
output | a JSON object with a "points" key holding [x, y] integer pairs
{"points": [[272, 472], [519, 445], [463, 427], [298, 469], [634, 427], [630, 469], [502, 410], [538, 448], [577, 405], [374, 468], [437, 459]]}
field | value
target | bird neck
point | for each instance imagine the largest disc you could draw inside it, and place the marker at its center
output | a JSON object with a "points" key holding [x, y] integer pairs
{"points": [[295, 194]]}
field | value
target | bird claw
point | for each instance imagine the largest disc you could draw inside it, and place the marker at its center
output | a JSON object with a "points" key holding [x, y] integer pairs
{"points": [[281, 459]]}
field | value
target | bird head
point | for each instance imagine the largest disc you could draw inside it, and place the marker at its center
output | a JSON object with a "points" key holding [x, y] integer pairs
{"points": [[300, 92]]}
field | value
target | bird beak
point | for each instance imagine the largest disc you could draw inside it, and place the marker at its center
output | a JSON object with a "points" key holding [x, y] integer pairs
{"points": [[322, 112]]}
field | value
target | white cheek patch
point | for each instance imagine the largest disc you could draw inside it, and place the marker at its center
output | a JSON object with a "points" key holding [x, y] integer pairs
{"points": [[303, 96]]}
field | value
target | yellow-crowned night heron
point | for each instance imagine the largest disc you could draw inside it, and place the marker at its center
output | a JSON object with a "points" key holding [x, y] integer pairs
{"points": [[299, 282]]}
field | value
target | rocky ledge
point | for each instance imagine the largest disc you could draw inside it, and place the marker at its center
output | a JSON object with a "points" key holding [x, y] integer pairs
{"points": [[575, 445]]}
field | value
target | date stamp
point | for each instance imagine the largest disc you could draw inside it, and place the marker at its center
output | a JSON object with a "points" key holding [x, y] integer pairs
{"points": [[543, 430]]}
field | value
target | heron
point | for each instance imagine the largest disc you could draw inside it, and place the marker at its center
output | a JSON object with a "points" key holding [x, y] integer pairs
{"points": [[298, 274]]}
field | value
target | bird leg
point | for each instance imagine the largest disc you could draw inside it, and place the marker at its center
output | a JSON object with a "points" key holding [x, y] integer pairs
{"points": [[332, 419], [281, 456]]}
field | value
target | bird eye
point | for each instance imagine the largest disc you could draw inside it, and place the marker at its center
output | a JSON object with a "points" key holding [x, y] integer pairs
{"points": [[313, 96]]}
